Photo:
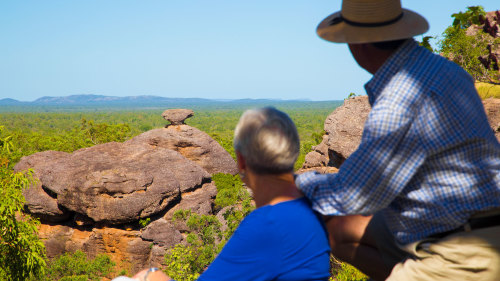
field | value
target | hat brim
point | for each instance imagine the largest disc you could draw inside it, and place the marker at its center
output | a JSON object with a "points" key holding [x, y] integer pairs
{"points": [[410, 24]]}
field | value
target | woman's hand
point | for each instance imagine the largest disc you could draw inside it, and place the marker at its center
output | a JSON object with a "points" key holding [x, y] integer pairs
{"points": [[151, 274]]}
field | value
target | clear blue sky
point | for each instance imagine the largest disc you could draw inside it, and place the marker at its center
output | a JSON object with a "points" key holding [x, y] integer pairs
{"points": [[220, 49]]}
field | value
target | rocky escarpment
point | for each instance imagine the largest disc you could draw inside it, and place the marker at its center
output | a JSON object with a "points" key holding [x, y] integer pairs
{"points": [[492, 108], [93, 199], [344, 127]]}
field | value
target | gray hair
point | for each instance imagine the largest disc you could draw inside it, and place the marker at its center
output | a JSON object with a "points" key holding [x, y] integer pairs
{"points": [[268, 140]]}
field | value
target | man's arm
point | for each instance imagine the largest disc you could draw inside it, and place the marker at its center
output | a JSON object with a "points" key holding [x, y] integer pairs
{"points": [[385, 161]]}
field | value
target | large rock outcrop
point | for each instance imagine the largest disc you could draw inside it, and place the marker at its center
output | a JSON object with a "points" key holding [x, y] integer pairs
{"points": [[113, 182], [95, 198], [343, 127]]}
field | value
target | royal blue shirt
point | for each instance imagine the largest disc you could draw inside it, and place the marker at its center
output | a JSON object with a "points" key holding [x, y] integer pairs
{"points": [[285, 241]]}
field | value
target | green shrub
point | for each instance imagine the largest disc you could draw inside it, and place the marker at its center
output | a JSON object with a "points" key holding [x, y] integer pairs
{"points": [[187, 261], [76, 266], [341, 271], [205, 238], [144, 222], [22, 254], [230, 192], [465, 49]]}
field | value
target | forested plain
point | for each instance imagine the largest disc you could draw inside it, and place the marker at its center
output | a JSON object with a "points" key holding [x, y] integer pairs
{"points": [[65, 129]]}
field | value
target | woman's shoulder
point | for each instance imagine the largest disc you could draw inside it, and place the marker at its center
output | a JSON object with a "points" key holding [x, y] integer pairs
{"points": [[292, 208], [279, 212]]}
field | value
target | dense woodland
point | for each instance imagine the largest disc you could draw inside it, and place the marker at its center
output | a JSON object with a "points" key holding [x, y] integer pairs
{"points": [[69, 131]]}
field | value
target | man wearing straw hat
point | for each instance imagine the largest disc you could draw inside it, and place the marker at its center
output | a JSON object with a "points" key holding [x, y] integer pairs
{"points": [[420, 197]]}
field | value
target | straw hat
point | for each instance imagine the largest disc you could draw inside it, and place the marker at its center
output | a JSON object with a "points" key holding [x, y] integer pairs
{"points": [[367, 21]]}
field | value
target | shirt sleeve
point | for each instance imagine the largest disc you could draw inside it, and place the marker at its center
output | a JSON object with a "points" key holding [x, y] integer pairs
{"points": [[385, 161], [250, 254]]}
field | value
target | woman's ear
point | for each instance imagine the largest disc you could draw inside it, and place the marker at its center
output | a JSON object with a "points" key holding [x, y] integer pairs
{"points": [[240, 161]]}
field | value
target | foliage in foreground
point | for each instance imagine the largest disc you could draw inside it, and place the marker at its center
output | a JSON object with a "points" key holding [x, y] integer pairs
{"points": [[236, 198], [22, 254], [188, 261], [346, 272], [77, 267], [206, 236]]}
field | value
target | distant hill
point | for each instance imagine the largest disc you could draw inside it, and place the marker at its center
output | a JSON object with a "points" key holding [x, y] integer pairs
{"points": [[10, 102], [101, 102], [109, 100]]}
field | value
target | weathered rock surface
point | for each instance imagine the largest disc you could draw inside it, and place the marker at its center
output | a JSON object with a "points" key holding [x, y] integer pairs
{"points": [[193, 144], [492, 108], [177, 116], [39, 199], [113, 182], [199, 201], [343, 127], [130, 247], [161, 232]]}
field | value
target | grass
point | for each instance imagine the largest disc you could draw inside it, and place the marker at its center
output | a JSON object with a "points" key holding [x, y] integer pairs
{"points": [[487, 90]]}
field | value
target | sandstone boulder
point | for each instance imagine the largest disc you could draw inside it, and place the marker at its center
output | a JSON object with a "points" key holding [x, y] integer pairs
{"points": [[343, 127], [177, 116], [40, 200], [161, 232], [113, 182], [191, 143], [492, 108]]}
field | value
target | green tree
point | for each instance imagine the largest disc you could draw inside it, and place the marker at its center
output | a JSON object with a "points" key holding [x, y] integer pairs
{"points": [[462, 20], [465, 47], [22, 254], [426, 43], [98, 133]]}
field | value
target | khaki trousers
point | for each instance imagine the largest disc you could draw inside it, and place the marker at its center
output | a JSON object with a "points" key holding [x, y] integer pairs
{"points": [[473, 255]]}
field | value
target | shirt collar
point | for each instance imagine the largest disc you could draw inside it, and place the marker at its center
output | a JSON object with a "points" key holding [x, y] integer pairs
{"points": [[390, 67]]}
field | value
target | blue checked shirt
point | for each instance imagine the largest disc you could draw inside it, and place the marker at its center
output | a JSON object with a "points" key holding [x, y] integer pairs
{"points": [[428, 158]]}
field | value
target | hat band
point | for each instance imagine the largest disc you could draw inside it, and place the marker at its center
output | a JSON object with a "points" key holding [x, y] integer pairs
{"points": [[340, 19]]}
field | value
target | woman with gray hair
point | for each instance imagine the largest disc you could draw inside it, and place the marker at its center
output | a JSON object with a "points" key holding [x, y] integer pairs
{"points": [[283, 239]]}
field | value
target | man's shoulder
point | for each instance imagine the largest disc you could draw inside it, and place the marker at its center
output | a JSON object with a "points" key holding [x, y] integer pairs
{"points": [[425, 72], [432, 67]]}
